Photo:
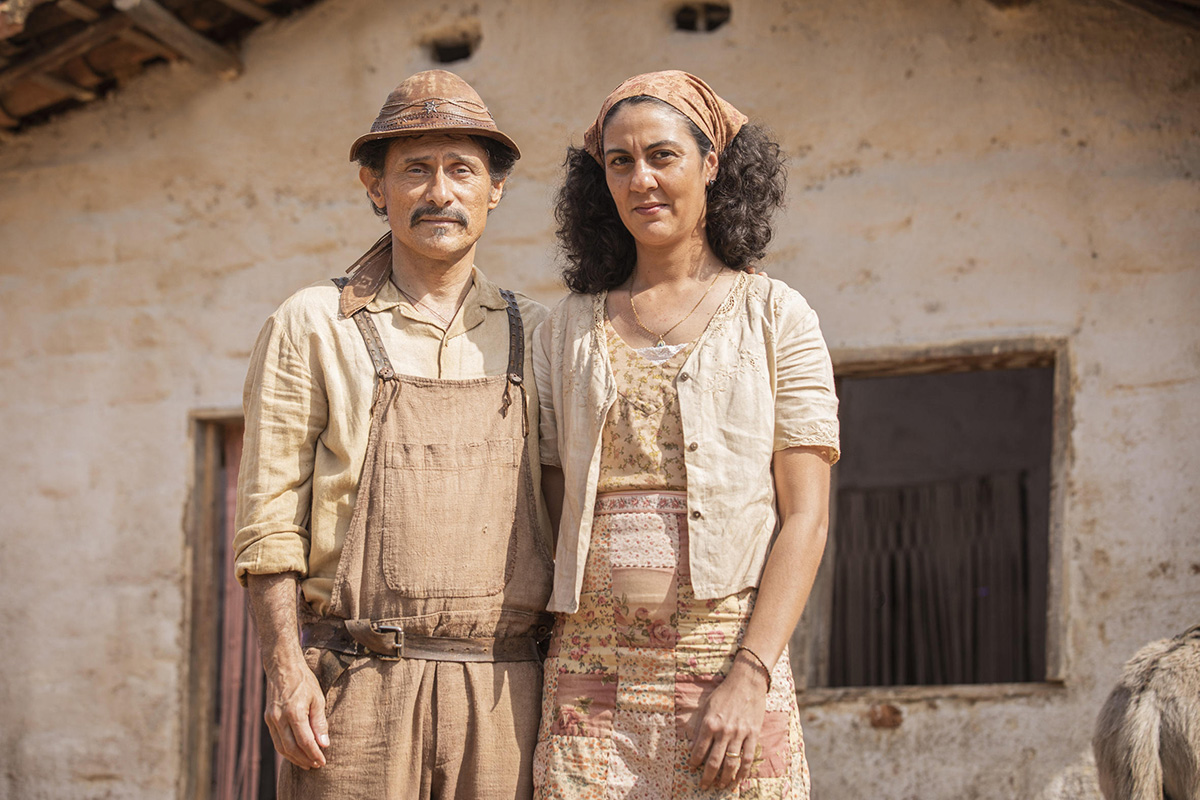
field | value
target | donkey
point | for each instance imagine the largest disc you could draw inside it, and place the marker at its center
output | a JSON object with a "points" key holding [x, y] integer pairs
{"points": [[1147, 740]]}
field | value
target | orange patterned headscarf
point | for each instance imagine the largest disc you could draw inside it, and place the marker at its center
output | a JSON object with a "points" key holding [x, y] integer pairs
{"points": [[685, 93]]}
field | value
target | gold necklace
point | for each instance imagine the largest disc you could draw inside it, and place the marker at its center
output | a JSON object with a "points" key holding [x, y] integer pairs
{"points": [[662, 337], [418, 304]]}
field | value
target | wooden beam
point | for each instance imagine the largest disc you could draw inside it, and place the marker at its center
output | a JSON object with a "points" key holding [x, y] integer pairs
{"points": [[250, 9], [88, 14], [78, 10], [146, 43], [180, 37], [77, 45], [7, 120], [66, 87], [80, 72], [200, 564], [1060, 540], [1022, 353]]}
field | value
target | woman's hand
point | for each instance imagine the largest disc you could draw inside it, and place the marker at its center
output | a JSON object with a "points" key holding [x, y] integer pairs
{"points": [[724, 730], [726, 727]]}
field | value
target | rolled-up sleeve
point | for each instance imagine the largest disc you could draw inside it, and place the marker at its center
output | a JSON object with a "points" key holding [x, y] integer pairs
{"points": [[805, 399], [543, 373], [286, 411]]}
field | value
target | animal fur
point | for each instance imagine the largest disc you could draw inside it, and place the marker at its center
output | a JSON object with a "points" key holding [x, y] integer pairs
{"points": [[1147, 741]]}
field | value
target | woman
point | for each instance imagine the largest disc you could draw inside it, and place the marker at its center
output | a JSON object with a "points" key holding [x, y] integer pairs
{"points": [[684, 399]]}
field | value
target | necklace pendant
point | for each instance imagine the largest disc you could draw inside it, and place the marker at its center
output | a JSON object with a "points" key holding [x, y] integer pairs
{"points": [[661, 342]]}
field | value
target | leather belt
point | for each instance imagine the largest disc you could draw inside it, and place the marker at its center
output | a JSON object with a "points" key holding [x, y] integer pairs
{"points": [[389, 642]]}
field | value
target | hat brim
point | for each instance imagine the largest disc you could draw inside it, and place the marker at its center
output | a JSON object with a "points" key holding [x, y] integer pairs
{"points": [[448, 130]]}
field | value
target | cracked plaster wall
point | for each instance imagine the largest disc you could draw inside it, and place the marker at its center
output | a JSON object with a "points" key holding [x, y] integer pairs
{"points": [[958, 172]]}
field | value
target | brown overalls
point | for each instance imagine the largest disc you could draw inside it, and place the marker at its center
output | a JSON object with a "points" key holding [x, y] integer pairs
{"points": [[428, 657]]}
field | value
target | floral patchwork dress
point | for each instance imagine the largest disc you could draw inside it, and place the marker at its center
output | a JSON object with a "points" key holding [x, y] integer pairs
{"points": [[627, 671]]}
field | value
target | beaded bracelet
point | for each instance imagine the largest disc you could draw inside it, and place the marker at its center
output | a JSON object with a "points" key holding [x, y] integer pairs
{"points": [[762, 664]]}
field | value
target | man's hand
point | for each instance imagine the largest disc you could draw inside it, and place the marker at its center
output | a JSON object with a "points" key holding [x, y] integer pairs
{"points": [[295, 715], [295, 712]]}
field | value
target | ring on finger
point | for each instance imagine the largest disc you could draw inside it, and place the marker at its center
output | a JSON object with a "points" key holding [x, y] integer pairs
{"points": [[732, 755]]}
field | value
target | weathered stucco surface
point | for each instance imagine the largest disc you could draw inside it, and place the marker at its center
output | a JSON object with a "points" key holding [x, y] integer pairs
{"points": [[957, 173]]}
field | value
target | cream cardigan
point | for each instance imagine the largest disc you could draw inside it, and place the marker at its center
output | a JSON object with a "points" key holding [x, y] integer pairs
{"points": [[759, 380]]}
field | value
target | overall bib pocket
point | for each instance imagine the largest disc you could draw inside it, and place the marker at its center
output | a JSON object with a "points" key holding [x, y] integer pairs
{"points": [[448, 516]]}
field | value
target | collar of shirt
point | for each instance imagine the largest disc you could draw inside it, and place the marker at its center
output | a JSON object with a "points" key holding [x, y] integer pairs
{"points": [[370, 288], [483, 296]]}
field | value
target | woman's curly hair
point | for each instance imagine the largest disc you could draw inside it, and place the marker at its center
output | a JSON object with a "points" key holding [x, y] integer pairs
{"points": [[600, 253]]}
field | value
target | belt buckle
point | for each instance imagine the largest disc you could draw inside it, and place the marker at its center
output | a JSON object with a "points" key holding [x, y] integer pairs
{"points": [[399, 643]]}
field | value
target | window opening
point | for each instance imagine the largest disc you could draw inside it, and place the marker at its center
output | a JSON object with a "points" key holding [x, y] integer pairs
{"points": [[937, 568], [454, 47], [705, 17]]}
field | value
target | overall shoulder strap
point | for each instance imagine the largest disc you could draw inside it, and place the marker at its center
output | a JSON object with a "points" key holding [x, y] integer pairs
{"points": [[516, 337], [516, 358], [370, 334]]}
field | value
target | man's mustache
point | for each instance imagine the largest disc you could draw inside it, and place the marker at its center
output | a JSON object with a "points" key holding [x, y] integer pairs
{"points": [[440, 213]]}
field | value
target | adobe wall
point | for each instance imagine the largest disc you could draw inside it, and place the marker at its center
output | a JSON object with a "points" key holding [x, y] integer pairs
{"points": [[958, 173]]}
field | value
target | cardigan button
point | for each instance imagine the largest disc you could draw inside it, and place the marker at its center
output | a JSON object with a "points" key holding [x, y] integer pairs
{"points": [[696, 515], [683, 376], [693, 447]]}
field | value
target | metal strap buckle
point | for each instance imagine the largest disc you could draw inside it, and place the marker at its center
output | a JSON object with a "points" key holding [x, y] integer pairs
{"points": [[399, 641]]}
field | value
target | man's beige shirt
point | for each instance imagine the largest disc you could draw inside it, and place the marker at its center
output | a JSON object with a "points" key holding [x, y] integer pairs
{"points": [[307, 401]]}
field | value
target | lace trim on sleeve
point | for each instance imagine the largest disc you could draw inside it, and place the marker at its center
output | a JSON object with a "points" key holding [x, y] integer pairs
{"points": [[821, 433]]}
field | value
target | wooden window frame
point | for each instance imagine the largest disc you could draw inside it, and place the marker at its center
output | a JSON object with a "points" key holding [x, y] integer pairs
{"points": [[199, 670], [810, 641]]}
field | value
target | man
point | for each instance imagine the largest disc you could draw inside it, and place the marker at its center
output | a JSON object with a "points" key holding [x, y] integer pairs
{"points": [[391, 472]]}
